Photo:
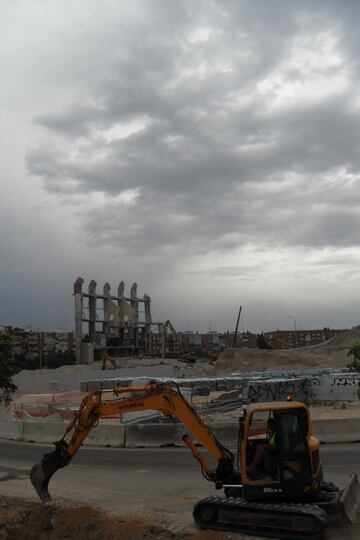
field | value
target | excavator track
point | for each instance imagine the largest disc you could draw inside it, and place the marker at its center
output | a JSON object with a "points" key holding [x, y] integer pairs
{"points": [[273, 520]]}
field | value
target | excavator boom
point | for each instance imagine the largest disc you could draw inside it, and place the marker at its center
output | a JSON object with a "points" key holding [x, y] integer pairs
{"points": [[161, 397]]}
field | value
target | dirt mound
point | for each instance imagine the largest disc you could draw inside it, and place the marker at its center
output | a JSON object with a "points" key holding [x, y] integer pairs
{"points": [[25, 519], [332, 353], [345, 339], [22, 518]]}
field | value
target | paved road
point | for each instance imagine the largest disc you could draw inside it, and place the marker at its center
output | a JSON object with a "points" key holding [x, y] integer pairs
{"points": [[163, 483], [333, 456]]}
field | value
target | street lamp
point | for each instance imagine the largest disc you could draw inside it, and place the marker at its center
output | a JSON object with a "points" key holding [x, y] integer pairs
{"points": [[291, 317]]}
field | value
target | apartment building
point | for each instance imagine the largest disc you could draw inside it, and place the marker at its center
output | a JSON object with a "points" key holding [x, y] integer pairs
{"points": [[58, 341], [213, 342], [290, 339], [34, 344]]}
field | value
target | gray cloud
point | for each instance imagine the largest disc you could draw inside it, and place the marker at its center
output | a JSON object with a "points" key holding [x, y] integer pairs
{"points": [[210, 144], [212, 165]]}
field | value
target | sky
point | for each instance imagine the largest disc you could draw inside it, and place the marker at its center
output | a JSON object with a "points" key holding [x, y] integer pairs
{"points": [[208, 150]]}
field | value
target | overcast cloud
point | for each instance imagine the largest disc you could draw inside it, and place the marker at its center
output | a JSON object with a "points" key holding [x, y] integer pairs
{"points": [[207, 149]]}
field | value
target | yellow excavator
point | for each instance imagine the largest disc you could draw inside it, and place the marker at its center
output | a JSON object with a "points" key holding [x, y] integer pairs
{"points": [[274, 487]]}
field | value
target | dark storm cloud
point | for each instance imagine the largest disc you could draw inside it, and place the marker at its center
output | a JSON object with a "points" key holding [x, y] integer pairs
{"points": [[75, 121], [215, 163], [239, 271]]}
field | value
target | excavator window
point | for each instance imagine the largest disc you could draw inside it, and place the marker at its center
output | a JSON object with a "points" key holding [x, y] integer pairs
{"points": [[258, 425], [293, 448], [291, 433]]}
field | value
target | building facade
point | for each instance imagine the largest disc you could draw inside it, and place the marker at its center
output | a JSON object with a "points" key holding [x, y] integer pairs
{"points": [[291, 339], [34, 344], [119, 324]]}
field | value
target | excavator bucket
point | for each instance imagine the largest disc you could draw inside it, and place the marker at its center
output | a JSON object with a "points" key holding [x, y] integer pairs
{"points": [[41, 473], [40, 480], [350, 499]]}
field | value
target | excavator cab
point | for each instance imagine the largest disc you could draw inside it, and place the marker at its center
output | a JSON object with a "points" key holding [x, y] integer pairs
{"points": [[277, 455]]}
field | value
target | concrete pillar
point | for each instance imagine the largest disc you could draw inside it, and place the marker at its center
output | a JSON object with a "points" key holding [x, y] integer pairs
{"points": [[121, 292], [135, 305], [92, 311], [121, 299], [78, 317], [133, 299], [106, 294], [162, 331], [147, 301]]}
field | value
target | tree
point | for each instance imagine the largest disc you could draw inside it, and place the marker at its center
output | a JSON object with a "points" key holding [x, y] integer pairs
{"points": [[7, 368], [261, 342], [54, 359], [355, 353]]}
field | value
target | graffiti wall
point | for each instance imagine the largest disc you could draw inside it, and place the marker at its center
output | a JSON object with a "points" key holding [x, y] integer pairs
{"points": [[322, 387], [347, 386], [277, 390]]}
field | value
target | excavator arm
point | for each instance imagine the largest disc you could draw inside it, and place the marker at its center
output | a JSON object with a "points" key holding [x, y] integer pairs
{"points": [[162, 397]]}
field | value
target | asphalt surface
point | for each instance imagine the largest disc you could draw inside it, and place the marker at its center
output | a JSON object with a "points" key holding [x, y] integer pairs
{"points": [[163, 483], [333, 456]]}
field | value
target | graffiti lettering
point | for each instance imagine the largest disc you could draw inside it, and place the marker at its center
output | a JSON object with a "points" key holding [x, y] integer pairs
{"points": [[346, 381], [278, 390]]}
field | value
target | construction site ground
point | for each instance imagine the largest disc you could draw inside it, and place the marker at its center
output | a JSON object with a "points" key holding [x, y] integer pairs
{"points": [[330, 354], [143, 502], [119, 494], [21, 518], [333, 353]]}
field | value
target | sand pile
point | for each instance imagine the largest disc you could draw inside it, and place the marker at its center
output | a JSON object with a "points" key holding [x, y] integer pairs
{"points": [[332, 353], [121, 363]]}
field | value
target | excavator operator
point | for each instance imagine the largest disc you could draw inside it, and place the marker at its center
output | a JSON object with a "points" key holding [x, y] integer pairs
{"points": [[264, 463]]}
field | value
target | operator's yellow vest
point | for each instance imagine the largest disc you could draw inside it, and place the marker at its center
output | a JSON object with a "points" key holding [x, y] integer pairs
{"points": [[272, 442]]}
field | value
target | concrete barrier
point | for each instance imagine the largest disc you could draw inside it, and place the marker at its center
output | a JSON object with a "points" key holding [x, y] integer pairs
{"points": [[327, 431], [337, 430], [152, 435], [41, 432], [157, 435], [11, 429], [113, 436]]}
